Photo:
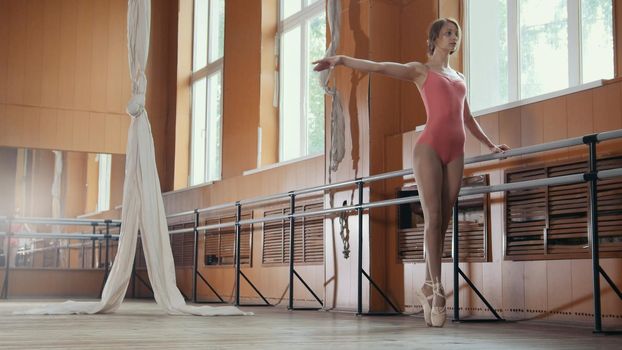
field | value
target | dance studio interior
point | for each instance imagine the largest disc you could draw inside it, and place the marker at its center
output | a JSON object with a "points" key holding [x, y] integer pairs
{"points": [[162, 161]]}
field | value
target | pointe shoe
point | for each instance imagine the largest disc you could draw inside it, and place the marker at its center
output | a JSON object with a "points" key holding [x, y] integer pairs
{"points": [[438, 314], [426, 302]]}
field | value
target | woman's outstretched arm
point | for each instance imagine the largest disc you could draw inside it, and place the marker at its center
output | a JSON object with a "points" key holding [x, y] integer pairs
{"points": [[479, 134], [408, 71]]}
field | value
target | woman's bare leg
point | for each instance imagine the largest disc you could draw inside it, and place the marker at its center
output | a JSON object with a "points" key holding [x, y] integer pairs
{"points": [[428, 171], [452, 182]]}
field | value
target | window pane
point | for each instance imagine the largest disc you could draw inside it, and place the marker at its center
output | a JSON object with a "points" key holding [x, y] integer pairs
{"points": [[597, 40], [198, 133], [310, 2], [200, 34], [488, 54], [290, 94], [316, 38], [214, 138], [289, 7], [103, 189], [217, 30], [543, 46]]}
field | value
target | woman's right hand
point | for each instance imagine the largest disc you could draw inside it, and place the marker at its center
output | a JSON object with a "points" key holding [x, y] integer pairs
{"points": [[326, 63]]}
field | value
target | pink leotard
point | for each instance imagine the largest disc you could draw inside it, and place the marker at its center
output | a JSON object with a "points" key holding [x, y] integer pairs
{"points": [[443, 98]]}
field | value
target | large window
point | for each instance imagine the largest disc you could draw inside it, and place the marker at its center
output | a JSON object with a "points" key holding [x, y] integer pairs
{"points": [[207, 67], [302, 37], [519, 49]]}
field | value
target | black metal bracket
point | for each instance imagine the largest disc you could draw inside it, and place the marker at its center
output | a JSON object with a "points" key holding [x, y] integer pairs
{"points": [[458, 272]]}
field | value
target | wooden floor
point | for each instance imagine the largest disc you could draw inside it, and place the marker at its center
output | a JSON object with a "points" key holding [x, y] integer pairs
{"points": [[142, 325]]}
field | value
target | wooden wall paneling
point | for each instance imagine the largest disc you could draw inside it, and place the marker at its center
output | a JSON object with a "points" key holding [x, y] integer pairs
{"points": [[555, 116], [48, 123], [84, 55], [559, 288], [4, 47], [532, 124], [4, 120], [490, 126], [611, 304], [51, 53], [580, 111], [514, 282], [33, 63], [536, 278], [32, 117], [472, 146], [157, 98], [510, 127], [492, 284], [125, 126], [454, 9], [112, 133], [55, 283], [64, 129], [384, 46], [582, 290], [415, 19], [607, 109], [172, 18], [183, 96], [96, 132], [241, 86], [117, 70], [475, 272], [16, 83], [68, 49], [81, 128], [13, 117], [99, 55], [268, 115]]}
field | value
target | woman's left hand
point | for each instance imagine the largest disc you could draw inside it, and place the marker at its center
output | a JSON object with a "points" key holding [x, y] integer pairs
{"points": [[499, 148]]}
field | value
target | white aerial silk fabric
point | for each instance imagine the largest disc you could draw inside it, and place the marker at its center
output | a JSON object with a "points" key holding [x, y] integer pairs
{"points": [[337, 128], [143, 207]]}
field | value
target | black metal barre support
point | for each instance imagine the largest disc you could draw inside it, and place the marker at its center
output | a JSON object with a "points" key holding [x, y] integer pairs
{"points": [[292, 224], [212, 289], [359, 213], [361, 271], [107, 262], [195, 257], [610, 281], [455, 243], [292, 258], [597, 270], [145, 283], [267, 303], [238, 270], [195, 264], [382, 293], [591, 142]]}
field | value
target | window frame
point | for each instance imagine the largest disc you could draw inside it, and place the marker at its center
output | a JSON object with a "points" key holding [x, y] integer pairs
{"points": [[310, 9], [574, 51], [210, 69]]}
